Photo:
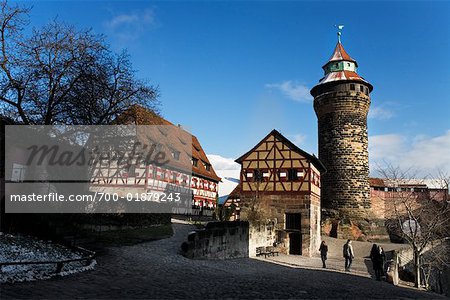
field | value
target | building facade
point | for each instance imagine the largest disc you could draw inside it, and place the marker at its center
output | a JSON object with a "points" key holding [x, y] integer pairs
{"points": [[187, 169], [280, 190]]}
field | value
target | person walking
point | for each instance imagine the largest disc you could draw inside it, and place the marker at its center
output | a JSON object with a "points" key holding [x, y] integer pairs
{"points": [[323, 253], [381, 262], [378, 258], [375, 258], [348, 255]]}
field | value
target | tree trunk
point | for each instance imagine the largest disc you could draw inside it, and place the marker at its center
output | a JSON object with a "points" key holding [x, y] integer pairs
{"points": [[417, 268]]}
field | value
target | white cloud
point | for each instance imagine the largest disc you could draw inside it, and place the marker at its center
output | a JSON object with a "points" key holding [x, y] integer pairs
{"points": [[129, 26], [297, 139], [386, 147], [425, 154], [292, 90], [380, 113], [222, 163]]}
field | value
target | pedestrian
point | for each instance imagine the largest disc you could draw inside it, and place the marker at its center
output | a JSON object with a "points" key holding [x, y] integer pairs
{"points": [[348, 255], [378, 258], [381, 262], [323, 253], [375, 258]]}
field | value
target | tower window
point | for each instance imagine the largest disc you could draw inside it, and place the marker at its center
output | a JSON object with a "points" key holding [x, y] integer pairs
{"points": [[367, 91], [361, 89], [352, 87]]}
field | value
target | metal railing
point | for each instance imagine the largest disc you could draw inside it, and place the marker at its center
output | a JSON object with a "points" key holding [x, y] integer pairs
{"points": [[88, 257]]}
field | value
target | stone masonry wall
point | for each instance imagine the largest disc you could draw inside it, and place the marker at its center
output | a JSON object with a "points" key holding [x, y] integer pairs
{"points": [[275, 206], [260, 236], [219, 240], [343, 149]]}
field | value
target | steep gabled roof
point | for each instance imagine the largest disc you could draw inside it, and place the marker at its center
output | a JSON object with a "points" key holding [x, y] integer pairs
{"points": [[236, 192], [175, 138], [339, 54], [312, 158], [341, 67]]}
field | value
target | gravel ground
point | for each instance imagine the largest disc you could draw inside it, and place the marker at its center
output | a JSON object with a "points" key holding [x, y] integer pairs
{"points": [[155, 270]]}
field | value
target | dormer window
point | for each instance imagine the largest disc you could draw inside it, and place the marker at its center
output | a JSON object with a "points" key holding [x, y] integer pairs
{"points": [[207, 166], [175, 154]]}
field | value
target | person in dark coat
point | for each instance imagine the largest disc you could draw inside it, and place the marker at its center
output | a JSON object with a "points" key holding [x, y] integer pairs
{"points": [[374, 257], [378, 258], [323, 253], [381, 261]]}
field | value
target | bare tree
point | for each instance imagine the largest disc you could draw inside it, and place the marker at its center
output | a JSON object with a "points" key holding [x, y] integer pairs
{"points": [[254, 208], [61, 75], [419, 215]]}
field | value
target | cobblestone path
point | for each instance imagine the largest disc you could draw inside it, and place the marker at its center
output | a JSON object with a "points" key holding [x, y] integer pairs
{"points": [[156, 270]]}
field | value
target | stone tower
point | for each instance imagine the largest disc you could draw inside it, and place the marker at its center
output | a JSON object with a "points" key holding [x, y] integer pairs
{"points": [[341, 103]]}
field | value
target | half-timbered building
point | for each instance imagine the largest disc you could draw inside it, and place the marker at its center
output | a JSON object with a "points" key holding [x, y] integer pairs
{"points": [[284, 182], [187, 168]]}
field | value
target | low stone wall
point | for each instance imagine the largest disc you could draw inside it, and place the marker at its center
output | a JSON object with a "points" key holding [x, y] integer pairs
{"points": [[439, 280], [260, 236], [219, 240]]}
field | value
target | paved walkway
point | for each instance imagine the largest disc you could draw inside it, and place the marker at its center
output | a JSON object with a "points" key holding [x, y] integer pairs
{"points": [[155, 270], [361, 267]]}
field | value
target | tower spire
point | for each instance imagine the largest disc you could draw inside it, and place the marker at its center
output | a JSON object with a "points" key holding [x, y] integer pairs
{"points": [[339, 33], [341, 103]]}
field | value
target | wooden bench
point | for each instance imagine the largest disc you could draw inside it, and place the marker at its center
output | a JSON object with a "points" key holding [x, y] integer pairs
{"points": [[261, 251], [272, 251]]}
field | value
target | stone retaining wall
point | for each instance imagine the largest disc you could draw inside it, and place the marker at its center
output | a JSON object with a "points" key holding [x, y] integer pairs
{"points": [[439, 280], [219, 240]]}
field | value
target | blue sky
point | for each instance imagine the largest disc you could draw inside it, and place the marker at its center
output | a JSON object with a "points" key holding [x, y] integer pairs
{"points": [[233, 71]]}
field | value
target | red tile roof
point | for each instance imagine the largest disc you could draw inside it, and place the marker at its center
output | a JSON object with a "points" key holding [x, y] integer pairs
{"points": [[340, 54], [376, 182], [235, 193], [342, 75], [174, 137]]}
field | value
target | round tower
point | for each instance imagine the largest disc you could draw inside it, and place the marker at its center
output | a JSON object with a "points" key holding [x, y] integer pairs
{"points": [[341, 103]]}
